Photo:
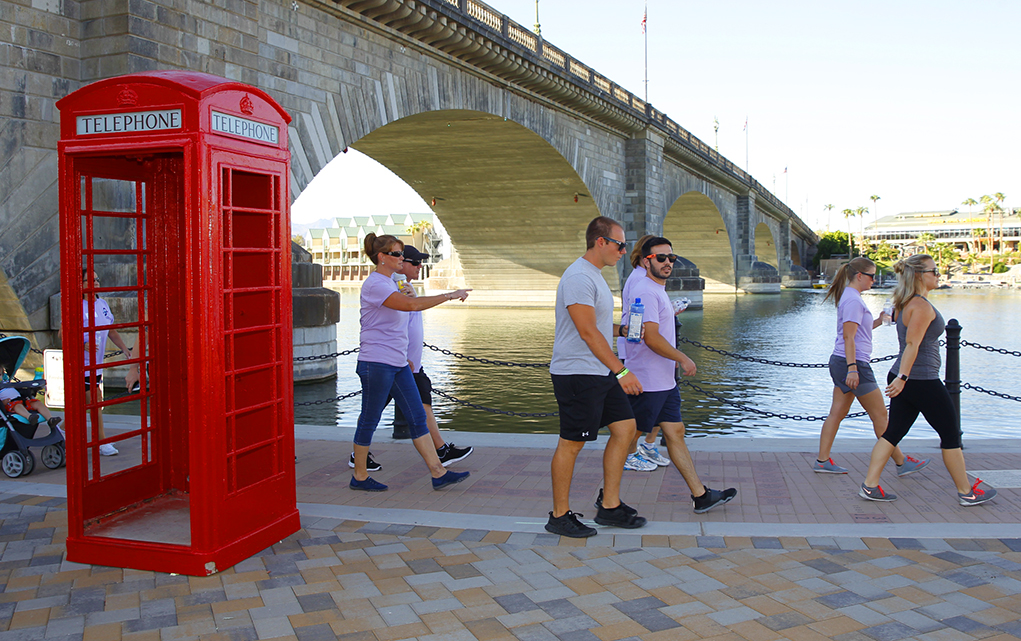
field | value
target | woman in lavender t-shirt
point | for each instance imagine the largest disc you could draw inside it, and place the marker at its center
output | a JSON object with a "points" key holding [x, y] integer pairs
{"points": [[383, 362], [849, 365]]}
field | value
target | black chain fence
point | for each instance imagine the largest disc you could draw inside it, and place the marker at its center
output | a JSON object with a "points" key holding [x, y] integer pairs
{"points": [[484, 361], [748, 408], [765, 361], [990, 392], [995, 350]]}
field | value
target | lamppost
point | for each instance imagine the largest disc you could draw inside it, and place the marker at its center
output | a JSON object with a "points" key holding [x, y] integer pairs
{"points": [[716, 131], [538, 29]]}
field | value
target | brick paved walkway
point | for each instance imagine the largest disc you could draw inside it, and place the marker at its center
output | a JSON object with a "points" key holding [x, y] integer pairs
{"points": [[791, 558]]}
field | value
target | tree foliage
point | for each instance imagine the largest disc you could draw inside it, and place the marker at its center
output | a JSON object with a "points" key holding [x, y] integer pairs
{"points": [[834, 242]]}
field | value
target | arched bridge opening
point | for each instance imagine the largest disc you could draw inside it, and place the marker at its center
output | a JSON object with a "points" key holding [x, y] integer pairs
{"points": [[514, 207], [697, 230], [765, 246]]}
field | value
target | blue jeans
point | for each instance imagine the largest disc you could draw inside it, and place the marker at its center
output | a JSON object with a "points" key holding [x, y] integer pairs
{"points": [[379, 383]]}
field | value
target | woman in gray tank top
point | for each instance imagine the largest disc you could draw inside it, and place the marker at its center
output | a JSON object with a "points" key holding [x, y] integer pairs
{"points": [[914, 385]]}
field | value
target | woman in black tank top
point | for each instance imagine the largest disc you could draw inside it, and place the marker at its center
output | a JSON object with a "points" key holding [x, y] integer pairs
{"points": [[914, 385]]}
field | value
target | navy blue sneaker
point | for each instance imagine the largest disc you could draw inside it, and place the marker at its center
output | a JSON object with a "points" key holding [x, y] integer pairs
{"points": [[368, 485], [449, 479]]}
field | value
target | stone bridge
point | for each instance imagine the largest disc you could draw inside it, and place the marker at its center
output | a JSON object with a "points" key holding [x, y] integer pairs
{"points": [[514, 142]]}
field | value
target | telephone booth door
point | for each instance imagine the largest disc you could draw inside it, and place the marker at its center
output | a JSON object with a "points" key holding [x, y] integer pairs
{"points": [[129, 213]]}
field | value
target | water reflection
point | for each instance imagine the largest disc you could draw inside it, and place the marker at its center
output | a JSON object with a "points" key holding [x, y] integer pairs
{"points": [[795, 326]]}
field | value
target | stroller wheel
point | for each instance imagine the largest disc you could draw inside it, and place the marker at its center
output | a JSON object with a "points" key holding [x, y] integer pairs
{"points": [[52, 456], [29, 462], [13, 464]]}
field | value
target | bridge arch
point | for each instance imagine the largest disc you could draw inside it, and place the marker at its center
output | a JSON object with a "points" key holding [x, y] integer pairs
{"points": [[795, 254], [766, 248], [515, 208], [699, 232]]}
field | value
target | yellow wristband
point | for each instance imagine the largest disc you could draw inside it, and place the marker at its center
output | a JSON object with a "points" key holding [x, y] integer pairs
{"points": [[622, 373]]}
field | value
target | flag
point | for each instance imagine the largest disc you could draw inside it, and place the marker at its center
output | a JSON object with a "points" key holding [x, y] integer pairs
{"points": [[745, 124], [645, 17], [785, 170]]}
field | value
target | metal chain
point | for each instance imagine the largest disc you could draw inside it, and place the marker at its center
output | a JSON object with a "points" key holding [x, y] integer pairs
{"points": [[491, 410], [298, 359], [995, 350], [485, 361], [990, 392], [32, 349], [329, 400], [780, 415], [752, 359]]}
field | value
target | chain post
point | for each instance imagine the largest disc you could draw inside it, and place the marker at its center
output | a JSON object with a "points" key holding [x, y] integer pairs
{"points": [[953, 373]]}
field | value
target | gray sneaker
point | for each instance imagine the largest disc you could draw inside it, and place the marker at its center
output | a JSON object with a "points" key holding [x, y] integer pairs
{"points": [[875, 493], [911, 465], [828, 467], [976, 496]]}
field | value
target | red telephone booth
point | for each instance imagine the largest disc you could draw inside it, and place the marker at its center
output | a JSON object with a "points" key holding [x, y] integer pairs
{"points": [[174, 212]]}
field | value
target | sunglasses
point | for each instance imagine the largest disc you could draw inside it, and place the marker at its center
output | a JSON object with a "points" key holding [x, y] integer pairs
{"points": [[416, 263], [933, 271], [394, 253], [872, 276], [662, 258], [621, 244]]}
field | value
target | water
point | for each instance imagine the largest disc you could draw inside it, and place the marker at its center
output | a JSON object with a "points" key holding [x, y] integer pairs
{"points": [[795, 326]]}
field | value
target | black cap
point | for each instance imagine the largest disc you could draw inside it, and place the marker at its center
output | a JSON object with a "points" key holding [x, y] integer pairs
{"points": [[410, 253]]}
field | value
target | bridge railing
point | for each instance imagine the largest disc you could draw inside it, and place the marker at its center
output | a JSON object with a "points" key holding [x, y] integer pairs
{"points": [[487, 20]]}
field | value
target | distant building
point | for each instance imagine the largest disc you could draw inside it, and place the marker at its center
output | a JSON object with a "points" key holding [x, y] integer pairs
{"points": [[967, 231], [339, 248]]}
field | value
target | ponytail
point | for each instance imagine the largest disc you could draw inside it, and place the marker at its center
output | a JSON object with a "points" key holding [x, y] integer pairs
{"points": [[909, 279], [636, 253], [844, 275], [374, 245]]}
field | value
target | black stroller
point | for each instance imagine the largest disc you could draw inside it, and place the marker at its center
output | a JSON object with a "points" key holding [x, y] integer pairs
{"points": [[16, 432]]}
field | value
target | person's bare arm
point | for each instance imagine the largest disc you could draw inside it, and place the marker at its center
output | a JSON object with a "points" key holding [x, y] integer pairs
{"points": [[849, 330], [917, 316], [661, 346], [584, 318], [403, 303]]}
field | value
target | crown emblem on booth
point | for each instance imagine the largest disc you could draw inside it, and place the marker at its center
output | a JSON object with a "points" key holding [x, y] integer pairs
{"points": [[127, 98], [246, 106]]}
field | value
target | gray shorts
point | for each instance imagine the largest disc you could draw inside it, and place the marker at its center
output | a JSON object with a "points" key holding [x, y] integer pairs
{"points": [[866, 379]]}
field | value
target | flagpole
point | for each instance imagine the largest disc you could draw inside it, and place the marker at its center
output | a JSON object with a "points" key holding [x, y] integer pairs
{"points": [[645, 32], [746, 146]]}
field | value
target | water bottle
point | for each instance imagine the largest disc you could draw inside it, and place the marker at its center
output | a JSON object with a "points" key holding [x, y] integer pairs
{"points": [[402, 282], [680, 304], [38, 373], [888, 310], [634, 321]]}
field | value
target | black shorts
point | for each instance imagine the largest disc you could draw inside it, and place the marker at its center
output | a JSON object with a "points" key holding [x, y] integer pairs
{"points": [[425, 387], [88, 381], [587, 403], [653, 408]]}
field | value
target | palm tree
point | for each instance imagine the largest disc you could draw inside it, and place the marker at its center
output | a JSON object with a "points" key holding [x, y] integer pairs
{"points": [[875, 209], [999, 197], [828, 209], [860, 212], [848, 215], [992, 206], [924, 239]]}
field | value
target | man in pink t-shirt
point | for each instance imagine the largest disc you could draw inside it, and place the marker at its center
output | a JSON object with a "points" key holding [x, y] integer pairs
{"points": [[654, 361]]}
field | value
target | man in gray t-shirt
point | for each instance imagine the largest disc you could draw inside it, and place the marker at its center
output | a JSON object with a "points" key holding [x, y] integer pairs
{"points": [[590, 383]]}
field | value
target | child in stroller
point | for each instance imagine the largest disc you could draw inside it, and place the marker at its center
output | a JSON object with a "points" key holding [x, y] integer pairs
{"points": [[20, 412]]}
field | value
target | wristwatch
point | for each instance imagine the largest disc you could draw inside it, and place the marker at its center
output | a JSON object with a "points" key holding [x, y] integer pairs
{"points": [[903, 377]]}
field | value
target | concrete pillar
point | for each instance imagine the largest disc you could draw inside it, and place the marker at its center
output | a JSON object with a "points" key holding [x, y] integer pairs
{"points": [[316, 314], [791, 274], [644, 204]]}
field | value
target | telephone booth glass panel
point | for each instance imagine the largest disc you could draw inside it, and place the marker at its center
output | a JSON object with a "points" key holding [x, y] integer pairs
{"points": [[120, 218], [252, 211]]}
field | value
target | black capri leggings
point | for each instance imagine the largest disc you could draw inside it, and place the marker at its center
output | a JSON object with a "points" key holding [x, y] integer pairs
{"points": [[932, 400]]}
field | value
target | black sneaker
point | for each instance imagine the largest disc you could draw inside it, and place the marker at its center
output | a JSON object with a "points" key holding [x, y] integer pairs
{"points": [[569, 525], [712, 498], [371, 465], [627, 508], [451, 453], [620, 516]]}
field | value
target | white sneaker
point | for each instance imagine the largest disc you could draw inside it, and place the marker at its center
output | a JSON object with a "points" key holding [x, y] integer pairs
{"points": [[107, 449], [650, 452], [636, 463]]}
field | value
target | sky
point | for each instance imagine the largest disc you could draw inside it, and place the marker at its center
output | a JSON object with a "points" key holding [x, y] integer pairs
{"points": [[915, 102]]}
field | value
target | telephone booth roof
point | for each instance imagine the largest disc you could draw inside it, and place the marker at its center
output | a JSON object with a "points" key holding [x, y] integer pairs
{"points": [[171, 102]]}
